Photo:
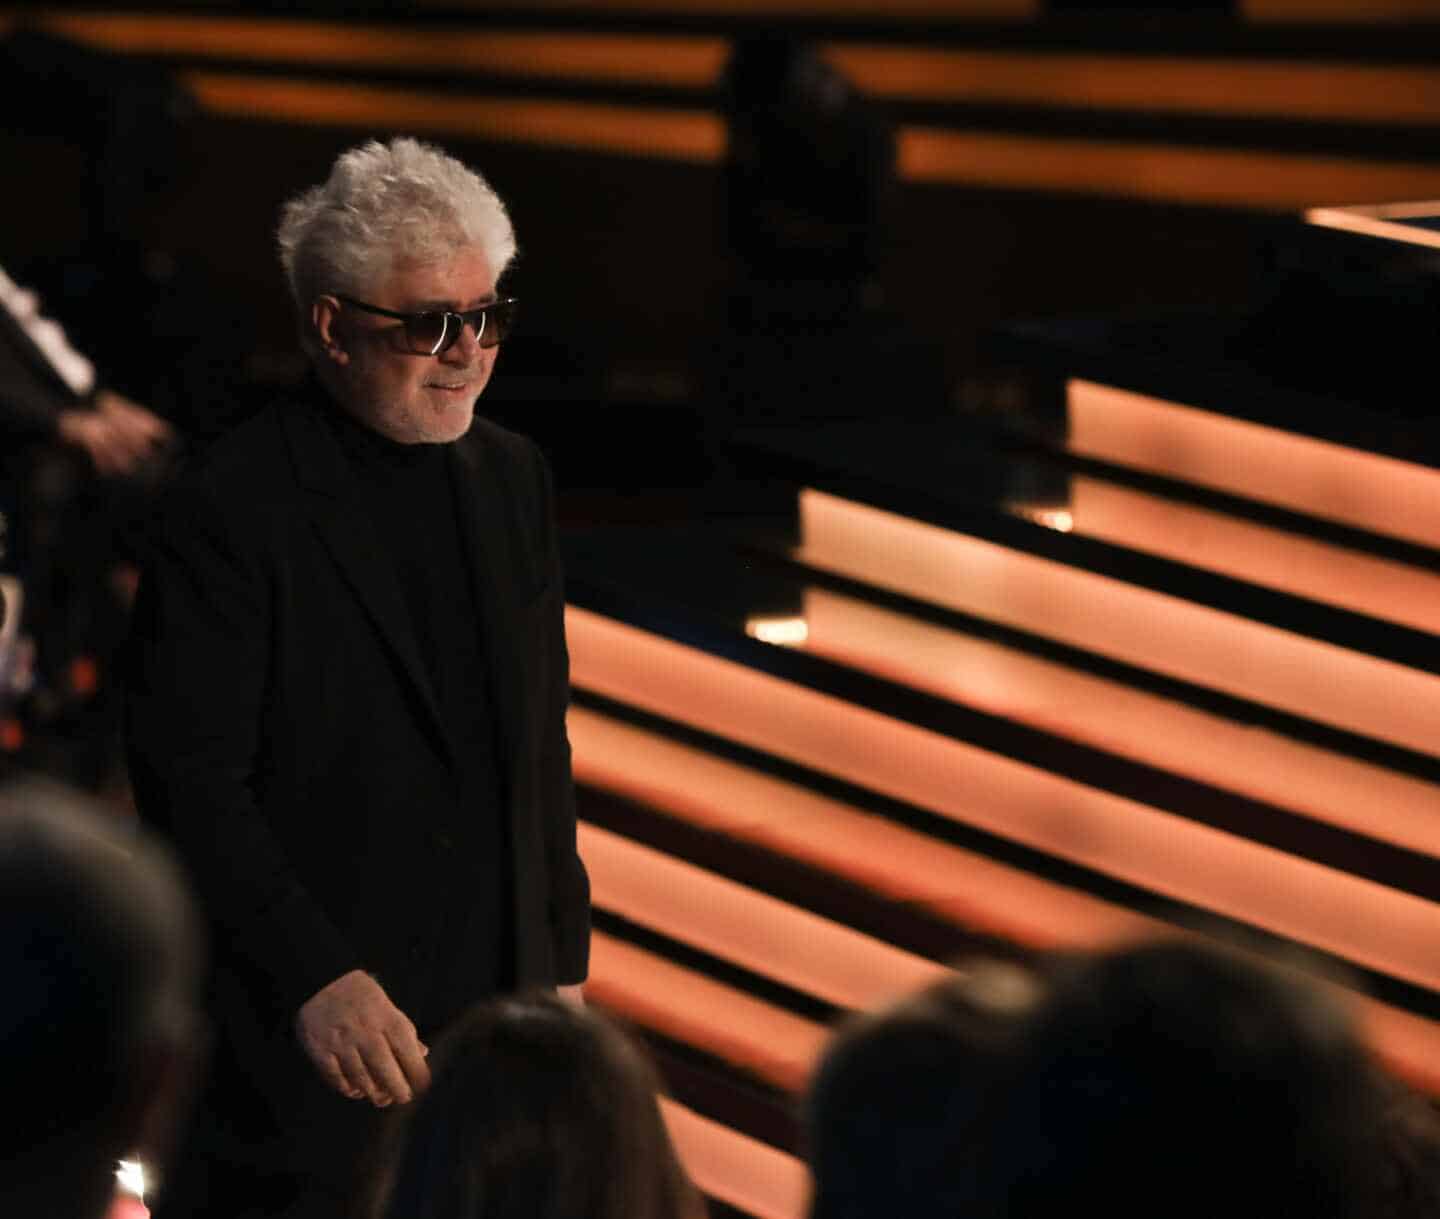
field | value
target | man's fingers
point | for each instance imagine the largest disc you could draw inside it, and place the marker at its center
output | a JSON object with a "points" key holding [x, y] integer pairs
{"points": [[137, 427], [358, 1073], [142, 430], [385, 1070], [114, 452], [410, 1054], [373, 1041], [330, 1071]]}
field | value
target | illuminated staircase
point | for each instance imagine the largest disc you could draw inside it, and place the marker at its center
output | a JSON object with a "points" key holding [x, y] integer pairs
{"points": [[1172, 668]]}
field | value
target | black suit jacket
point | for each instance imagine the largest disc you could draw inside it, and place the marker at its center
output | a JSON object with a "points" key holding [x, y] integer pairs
{"points": [[284, 733]]}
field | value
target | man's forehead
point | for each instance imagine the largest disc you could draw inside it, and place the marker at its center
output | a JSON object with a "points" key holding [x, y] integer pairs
{"points": [[455, 281]]}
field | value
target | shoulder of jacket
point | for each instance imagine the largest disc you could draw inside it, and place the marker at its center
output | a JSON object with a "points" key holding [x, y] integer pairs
{"points": [[488, 435], [237, 476], [255, 442]]}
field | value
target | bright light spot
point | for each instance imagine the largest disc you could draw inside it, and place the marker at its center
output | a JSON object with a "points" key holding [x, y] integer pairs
{"points": [[1061, 520], [783, 632], [130, 1175]]}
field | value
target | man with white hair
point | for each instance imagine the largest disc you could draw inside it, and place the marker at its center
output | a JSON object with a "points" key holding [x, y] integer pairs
{"points": [[348, 685]]}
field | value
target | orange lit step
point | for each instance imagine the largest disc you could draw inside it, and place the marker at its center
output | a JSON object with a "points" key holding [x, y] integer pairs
{"points": [[1406, 1044], [1301, 473], [739, 1171], [1379, 928], [759, 1038], [1107, 714], [895, 863], [747, 928], [1140, 626], [1270, 557], [687, 783]]}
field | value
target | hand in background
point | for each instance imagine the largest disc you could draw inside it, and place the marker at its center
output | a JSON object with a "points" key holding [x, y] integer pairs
{"points": [[117, 435], [361, 1043]]}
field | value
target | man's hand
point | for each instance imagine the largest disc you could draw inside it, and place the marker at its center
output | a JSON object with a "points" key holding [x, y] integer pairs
{"points": [[117, 435], [574, 995], [361, 1043]]}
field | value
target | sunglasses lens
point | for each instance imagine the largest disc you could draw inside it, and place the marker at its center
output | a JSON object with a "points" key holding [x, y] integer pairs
{"points": [[427, 332], [433, 333]]}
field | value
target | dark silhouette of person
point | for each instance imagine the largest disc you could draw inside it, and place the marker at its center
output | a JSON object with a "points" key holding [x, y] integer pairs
{"points": [[536, 1108], [100, 1029]]}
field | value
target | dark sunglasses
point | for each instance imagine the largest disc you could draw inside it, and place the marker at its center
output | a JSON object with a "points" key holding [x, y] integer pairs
{"points": [[437, 330]]}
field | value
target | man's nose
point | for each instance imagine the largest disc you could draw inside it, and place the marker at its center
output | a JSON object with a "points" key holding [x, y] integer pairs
{"points": [[466, 348]]}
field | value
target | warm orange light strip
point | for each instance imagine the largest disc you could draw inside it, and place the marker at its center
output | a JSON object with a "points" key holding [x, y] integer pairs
{"points": [[1147, 170], [739, 924], [1330, 481], [864, 10], [978, 159], [1171, 83], [1383, 221], [1353, 918], [1406, 1044], [1311, 91], [742, 1172], [891, 861], [767, 1041], [1139, 626], [1272, 558], [1160, 732], [653, 59], [1371, 12], [900, 864], [686, 135]]}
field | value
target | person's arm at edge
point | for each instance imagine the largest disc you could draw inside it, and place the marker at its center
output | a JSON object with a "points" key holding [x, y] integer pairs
{"points": [[29, 409]]}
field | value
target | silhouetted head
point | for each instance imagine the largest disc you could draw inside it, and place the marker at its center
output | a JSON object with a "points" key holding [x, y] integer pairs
{"points": [[1177, 1079], [536, 1110], [98, 1024], [897, 1114], [1408, 1138]]}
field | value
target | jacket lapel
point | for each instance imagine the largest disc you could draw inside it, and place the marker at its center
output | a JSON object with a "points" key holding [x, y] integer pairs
{"points": [[338, 512]]}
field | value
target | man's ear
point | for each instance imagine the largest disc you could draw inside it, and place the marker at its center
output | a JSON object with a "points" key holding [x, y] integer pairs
{"points": [[324, 315]]}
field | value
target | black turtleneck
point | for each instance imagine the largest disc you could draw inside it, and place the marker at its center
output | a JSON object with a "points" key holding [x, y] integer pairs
{"points": [[409, 492]]}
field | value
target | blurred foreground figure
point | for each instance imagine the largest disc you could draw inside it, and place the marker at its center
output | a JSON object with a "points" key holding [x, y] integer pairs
{"points": [[77, 461], [99, 1027], [538, 1110], [1179, 1080], [898, 1112], [50, 391]]}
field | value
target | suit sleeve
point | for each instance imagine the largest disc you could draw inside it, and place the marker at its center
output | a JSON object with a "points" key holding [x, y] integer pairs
{"points": [[569, 883], [197, 665], [29, 407]]}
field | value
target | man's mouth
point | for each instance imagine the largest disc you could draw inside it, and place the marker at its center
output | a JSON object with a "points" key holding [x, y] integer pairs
{"points": [[453, 387]]}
